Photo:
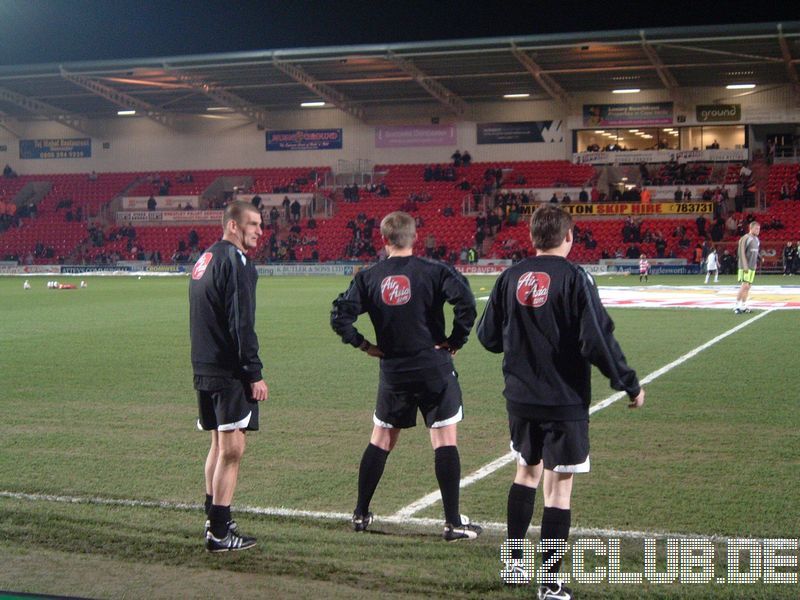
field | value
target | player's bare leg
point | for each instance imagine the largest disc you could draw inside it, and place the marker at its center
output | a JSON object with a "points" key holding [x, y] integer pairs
{"points": [[223, 535]]}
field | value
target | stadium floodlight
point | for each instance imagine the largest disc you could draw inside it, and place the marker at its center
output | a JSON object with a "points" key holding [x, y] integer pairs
{"points": [[740, 86], [126, 113], [626, 91], [312, 104], [521, 95]]}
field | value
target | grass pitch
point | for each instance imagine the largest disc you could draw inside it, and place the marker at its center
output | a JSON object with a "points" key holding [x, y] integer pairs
{"points": [[96, 401]]}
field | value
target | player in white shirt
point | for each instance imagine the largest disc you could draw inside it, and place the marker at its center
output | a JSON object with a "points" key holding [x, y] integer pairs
{"points": [[712, 265]]}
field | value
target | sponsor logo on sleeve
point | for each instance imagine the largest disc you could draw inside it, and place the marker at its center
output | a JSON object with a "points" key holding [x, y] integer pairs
{"points": [[532, 289], [395, 290], [201, 265]]}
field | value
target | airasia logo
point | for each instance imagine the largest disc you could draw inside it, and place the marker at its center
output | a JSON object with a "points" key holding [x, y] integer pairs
{"points": [[395, 290], [532, 289], [201, 265]]}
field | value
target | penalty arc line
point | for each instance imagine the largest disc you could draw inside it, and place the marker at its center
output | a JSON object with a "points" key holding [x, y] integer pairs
{"points": [[487, 469]]}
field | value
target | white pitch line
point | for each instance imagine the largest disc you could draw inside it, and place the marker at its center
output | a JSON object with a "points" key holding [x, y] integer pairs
{"points": [[338, 516], [486, 470]]}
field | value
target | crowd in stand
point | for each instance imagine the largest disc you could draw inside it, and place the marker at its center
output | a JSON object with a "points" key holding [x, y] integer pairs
{"points": [[791, 190]]}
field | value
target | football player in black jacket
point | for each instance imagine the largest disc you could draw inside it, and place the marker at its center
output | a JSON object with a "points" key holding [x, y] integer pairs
{"points": [[544, 314], [227, 369], [404, 296]]}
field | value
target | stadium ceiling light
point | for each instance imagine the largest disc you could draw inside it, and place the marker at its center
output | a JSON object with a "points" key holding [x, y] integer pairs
{"points": [[219, 109], [667, 129], [633, 131], [516, 95], [126, 113], [740, 86], [599, 131], [626, 91], [312, 104]]}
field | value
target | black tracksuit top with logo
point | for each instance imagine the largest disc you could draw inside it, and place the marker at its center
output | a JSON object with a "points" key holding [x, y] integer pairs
{"points": [[222, 311], [545, 315], [405, 298]]}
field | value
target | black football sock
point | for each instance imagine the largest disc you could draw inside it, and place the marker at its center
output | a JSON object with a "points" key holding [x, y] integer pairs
{"points": [[555, 526], [369, 474], [520, 510], [209, 502], [448, 474], [219, 516]]}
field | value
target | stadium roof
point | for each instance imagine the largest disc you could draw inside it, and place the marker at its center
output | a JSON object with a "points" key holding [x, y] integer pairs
{"points": [[452, 73]]}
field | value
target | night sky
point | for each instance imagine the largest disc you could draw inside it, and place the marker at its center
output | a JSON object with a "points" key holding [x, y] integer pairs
{"points": [[55, 31]]}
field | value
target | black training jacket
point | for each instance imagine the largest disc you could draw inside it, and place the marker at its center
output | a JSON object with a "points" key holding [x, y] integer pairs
{"points": [[545, 315], [222, 311], [405, 298]]}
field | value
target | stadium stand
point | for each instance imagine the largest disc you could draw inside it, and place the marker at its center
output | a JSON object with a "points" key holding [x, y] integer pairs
{"points": [[58, 229]]}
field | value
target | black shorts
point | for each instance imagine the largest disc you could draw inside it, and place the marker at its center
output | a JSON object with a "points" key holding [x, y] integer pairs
{"points": [[225, 404], [563, 445], [439, 401]]}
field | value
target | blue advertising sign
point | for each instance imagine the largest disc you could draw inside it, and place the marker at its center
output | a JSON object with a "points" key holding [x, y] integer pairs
{"points": [[56, 148], [304, 139]]}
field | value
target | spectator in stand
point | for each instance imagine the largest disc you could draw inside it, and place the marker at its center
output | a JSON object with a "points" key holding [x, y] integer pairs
{"points": [[8, 172], [583, 195], [678, 194], [661, 245], [588, 240], [627, 230], [796, 263], [730, 225], [456, 156], [93, 176], [554, 199], [566, 199], [789, 256], [466, 158], [698, 255], [494, 222], [714, 145], [594, 195], [430, 245], [728, 263], [312, 223], [383, 190], [151, 203], [287, 207], [427, 174], [194, 239], [701, 226], [480, 235], [274, 217], [295, 209], [256, 201], [718, 230], [448, 211]]}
